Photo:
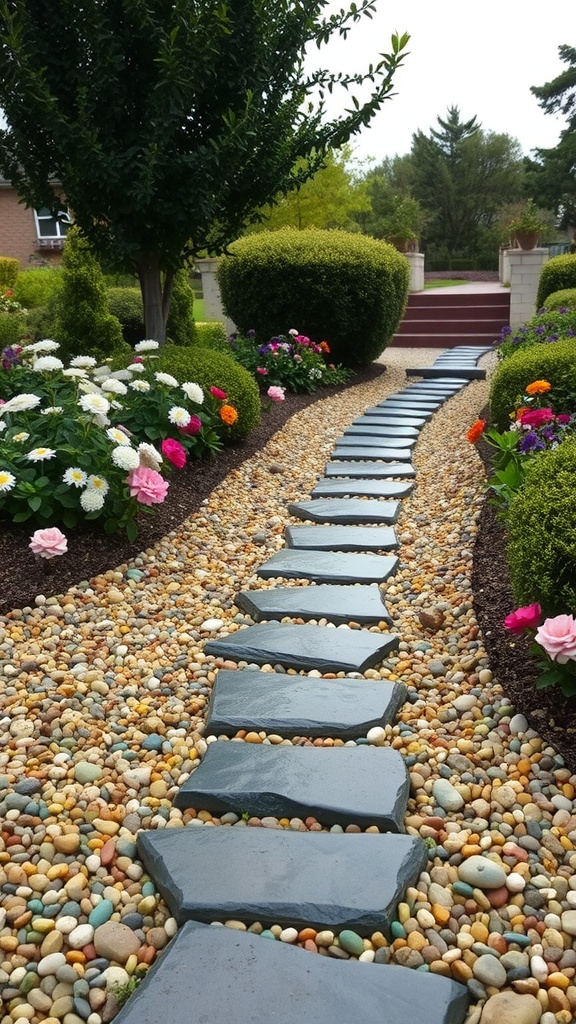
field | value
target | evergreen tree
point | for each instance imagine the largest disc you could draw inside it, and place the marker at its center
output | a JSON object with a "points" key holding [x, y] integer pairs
{"points": [[552, 175]]}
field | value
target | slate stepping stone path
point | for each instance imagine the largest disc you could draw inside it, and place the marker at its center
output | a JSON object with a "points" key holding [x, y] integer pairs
{"points": [[349, 882]]}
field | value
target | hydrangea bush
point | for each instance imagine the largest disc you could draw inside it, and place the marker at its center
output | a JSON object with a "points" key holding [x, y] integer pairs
{"points": [[289, 360], [82, 443]]}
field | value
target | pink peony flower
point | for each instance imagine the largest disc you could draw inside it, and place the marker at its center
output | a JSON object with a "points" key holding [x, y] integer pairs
{"points": [[193, 427], [558, 638], [174, 452], [48, 543], [523, 618], [276, 394], [536, 417], [147, 486], [218, 393], [262, 370]]}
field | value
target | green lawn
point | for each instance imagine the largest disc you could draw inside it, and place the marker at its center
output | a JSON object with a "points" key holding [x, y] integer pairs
{"points": [[443, 283]]}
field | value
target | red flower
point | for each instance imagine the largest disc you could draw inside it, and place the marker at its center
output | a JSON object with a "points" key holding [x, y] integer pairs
{"points": [[193, 427], [174, 452], [218, 393], [527, 617], [476, 431]]}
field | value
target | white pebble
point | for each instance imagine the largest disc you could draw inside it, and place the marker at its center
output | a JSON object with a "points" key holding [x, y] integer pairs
{"points": [[288, 935], [538, 968], [376, 736], [515, 882]]}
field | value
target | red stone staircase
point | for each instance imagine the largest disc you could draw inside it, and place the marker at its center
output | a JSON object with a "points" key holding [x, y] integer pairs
{"points": [[435, 320]]}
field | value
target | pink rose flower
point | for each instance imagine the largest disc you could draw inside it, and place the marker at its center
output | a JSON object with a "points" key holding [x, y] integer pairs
{"points": [[523, 618], [563, 419], [194, 426], [276, 394], [262, 370], [558, 638], [147, 486], [48, 543], [536, 417], [218, 393], [174, 452]]}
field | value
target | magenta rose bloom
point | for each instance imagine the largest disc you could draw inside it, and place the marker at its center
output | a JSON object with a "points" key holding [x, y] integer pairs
{"points": [[193, 427], [523, 618], [48, 543], [262, 371], [174, 452], [536, 417], [218, 393], [147, 486], [558, 638], [563, 419]]}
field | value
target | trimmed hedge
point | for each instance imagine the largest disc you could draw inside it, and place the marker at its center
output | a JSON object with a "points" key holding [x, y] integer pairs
{"points": [[8, 272], [212, 334], [557, 273], [541, 527], [37, 286], [126, 305], [555, 363], [347, 289], [565, 298], [215, 369], [13, 327]]}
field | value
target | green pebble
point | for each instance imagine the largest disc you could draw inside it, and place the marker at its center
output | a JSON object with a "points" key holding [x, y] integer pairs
{"points": [[33, 936], [463, 889], [29, 981], [148, 889], [86, 772], [267, 934], [397, 930], [351, 942], [102, 912]]}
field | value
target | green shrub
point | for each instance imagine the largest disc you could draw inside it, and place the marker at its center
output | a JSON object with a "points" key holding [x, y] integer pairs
{"points": [[13, 327], [180, 328], [563, 299], [557, 273], [8, 272], [555, 363], [347, 289], [215, 369], [550, 325], [41, 322], [126, 305], [542, 533], [37, 286], [212, 334], [83, 324]]}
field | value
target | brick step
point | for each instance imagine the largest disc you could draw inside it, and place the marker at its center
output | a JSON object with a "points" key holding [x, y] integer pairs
{"points": [[462, 299], [441, 340], [411, 325]]}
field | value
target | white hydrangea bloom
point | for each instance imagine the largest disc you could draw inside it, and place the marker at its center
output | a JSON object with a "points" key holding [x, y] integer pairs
{"points": [[136, 368], [96, 404], [166, 378], [85, 362], [125, 458], [91, 500], [20, 403], [114, 387], [45, 345], [47, 364], [146, 346]]}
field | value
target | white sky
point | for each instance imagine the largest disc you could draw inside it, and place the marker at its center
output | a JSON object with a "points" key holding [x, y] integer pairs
{"points": [[482, 59]]}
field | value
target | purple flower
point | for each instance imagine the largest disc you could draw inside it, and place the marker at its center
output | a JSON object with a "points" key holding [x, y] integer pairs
{"points": [[531, 443], [539, 330], [506, 331], [251, 333]]}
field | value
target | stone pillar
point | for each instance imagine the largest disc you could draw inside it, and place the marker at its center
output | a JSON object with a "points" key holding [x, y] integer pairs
{"points": [[416, 261], [504, 265], [525, 267], [211, 291]]}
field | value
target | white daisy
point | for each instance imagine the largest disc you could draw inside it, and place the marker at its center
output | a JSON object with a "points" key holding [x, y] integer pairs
{"points": [[51, 409], [125, 458], [22, 436], [46, 345], [86, 362], [181, 417], [118, 436], [40, 454], [75, 477], [114, 387], [193, 392], [47, 363], [166, 378], [136, 368], [91, 500], [7, 481], [139, 385], [76, 372], [20, 403], [96, 404], [149, 456], [146, 346], [98, 483]]}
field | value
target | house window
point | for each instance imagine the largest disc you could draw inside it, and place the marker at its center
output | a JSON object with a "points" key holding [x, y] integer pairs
{"points": [[50, 227]]}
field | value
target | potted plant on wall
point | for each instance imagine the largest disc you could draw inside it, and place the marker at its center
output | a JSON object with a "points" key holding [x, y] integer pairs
{"points": [[526, 225]]}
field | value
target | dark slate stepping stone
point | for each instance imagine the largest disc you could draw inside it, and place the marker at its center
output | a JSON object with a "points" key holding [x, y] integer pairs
{"points": [[369, 471], [337, 604], [299, 705], [397, 409], [352, 440], [389, 418], [370, 453], [221, 975], [346, 510], [281, 877], [328, 567], [337, 785], [367, 488], [369, 426], [305, 647], [411, 401], [469, 373], [341, 538]]}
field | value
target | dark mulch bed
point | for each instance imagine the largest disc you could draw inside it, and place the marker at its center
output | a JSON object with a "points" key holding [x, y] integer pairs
{"points": [[548, 711]]}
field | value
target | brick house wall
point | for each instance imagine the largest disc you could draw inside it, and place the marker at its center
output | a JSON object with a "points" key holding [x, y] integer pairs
{"points": [[19, 232]]}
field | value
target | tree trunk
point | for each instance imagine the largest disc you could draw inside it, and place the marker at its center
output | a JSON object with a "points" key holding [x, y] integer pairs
{"points": [[156, 296]]}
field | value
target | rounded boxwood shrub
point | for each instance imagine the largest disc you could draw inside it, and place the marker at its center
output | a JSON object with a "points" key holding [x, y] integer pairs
{"points": [[126, 305], [563, 299], [215, 369], [555, 363], [557, 273], [347, 289], [549, 325], [37, 286], [541, 528], [212, 334]]}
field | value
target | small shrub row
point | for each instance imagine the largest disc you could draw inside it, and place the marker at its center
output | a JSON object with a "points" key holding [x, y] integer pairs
{"points": [[549, 325], [554, 363], [556, 274]]}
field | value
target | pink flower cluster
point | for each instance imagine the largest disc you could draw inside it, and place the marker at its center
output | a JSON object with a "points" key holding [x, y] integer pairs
{"points": [[276, 394], [557, 635], [536, 417], [147, 486]]}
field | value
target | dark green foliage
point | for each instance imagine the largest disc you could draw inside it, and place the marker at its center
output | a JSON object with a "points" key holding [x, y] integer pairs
{"points": [[126, 305], [211, 334], [542, 533], [215, 369], [41, 323], [37, 286], [180, 328], [84, 325], [555, 363], [8, 272], [557, 273], [13, 327], [551, 178], [346, 289], [563, 299]]}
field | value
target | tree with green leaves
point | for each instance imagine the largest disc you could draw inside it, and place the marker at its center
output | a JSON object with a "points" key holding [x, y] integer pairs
{"points": [[551, 175], [169, 124]]}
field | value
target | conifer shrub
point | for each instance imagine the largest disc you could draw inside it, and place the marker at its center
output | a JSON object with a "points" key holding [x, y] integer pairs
{"points": [[126, 305], [215, 369], [180, 328], [554, 363], [563, 299], [8, 272], [557, 273], [541, 532], [347, 289]]}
